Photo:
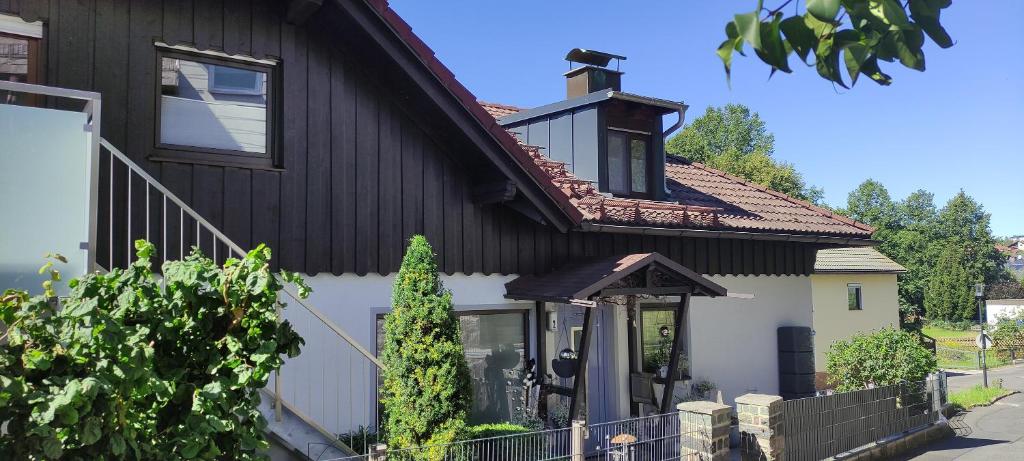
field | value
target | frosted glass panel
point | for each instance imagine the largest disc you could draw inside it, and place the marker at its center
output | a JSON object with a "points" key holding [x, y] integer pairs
{"points": [[44, 193], [495, 348]]}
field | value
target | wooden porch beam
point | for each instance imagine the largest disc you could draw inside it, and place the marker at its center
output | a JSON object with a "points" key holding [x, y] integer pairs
{"points": [[578, 384], [494, 192], [656, 291], [631, 338], [673, 361], [542, 366]]}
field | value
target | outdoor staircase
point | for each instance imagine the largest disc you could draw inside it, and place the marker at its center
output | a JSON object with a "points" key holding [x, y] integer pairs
{"points": [[289, 426]]}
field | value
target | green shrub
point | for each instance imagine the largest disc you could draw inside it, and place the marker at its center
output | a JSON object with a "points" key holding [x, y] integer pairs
{"points": [[131, 367], [426, 390], [887, 356], [483, 431]]}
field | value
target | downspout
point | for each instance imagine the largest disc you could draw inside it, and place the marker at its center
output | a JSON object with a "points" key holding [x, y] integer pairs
{"points": [[681, 111]]}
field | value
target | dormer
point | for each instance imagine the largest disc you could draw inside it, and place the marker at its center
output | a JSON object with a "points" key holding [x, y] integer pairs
{"points": [[615, 139]]}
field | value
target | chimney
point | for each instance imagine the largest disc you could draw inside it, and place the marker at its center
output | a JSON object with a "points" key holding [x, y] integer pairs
{"points": [[593, 75]]}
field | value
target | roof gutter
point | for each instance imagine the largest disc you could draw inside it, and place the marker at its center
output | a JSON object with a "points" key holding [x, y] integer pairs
{"points": [[719, 234], [677, 107]]}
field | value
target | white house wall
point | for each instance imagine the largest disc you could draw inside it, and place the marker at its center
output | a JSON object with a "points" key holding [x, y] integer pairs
{"points": [[996, 309], [733, 341], [833, 319], [330, 381]]}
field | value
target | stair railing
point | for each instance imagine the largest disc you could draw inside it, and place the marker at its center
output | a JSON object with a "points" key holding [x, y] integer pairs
{"points": [[167, 217]]}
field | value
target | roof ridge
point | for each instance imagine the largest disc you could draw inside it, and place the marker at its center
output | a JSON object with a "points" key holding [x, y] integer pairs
{"points": [[498, 104], [787, 197]]}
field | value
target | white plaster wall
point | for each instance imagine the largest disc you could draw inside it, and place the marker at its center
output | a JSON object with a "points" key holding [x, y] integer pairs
{"points": [[330, 381], [733, 341], [997, 309], [833, 319]]}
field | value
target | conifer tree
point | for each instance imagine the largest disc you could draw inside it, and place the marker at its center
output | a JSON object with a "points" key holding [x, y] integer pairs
{"points": [[427, 391], [950, 291]]}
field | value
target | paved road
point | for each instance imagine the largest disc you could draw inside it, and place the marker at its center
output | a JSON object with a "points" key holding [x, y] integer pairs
{"points": [[986, 433]]}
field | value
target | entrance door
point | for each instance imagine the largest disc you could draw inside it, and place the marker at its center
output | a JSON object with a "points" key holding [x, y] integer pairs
{"points": [[596, 392]]}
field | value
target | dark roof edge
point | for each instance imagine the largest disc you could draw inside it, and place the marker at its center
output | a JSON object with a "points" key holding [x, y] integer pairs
{"points": [[586, 100], [859, 271], [740, 235]]}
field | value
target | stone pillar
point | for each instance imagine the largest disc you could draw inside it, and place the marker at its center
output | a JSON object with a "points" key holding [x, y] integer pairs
{"points": [[704, 431], [760, 423]]}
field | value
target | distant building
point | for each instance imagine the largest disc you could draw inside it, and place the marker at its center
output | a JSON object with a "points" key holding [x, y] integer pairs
{"points": [[1014, 253]]}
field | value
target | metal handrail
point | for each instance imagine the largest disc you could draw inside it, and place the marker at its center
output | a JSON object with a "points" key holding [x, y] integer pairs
{"points": [[236, 248]]}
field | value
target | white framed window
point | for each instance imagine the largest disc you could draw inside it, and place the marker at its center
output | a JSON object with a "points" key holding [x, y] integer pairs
{"points": [[854, 297], [234, 80]]}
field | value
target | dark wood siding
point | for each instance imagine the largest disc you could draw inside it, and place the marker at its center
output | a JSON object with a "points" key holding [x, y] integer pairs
{"points": [[360, 172]]}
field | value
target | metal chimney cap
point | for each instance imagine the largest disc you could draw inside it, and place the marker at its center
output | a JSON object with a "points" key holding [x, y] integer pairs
{"points": [[591, 57]]}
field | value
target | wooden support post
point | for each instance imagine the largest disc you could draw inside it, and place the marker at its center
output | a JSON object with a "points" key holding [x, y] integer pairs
{"points": [[673, 361], [631, 338], [578, 384]]}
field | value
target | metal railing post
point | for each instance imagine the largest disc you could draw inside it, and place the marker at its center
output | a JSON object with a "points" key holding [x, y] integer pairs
{"points": [[277, 378], [579, 431], [379, 452]]}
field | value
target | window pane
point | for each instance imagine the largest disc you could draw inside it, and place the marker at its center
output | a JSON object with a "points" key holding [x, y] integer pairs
{"points": [[853, 297], [618, 170], [638, 164], [229, 79], [213, 106], [658, 331], [495, 349], [16, 66]]}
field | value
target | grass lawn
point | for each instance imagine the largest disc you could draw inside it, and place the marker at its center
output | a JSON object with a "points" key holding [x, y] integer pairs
{"points": [[976, 396], [937, 333]]}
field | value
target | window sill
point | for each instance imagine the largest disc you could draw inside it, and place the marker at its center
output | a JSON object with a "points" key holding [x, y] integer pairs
{"points": [[194, 158]]}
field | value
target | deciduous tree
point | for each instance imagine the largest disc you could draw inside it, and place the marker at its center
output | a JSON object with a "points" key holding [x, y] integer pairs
{"points": [[735, 140], [860, 33]]}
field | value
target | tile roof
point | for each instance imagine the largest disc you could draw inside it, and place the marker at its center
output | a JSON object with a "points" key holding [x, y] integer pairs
{"points": [[855, 259], [704, 198], [499, 110]]}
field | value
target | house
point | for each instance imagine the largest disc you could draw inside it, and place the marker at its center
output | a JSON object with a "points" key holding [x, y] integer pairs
{"points": [[328, 130], [1014, 254], [854, 291]]}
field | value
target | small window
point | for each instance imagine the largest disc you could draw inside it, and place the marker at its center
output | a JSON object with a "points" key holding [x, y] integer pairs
{"points": [[657, 331], [628, 163], [215, 109], [854, 298], [20, 58]]}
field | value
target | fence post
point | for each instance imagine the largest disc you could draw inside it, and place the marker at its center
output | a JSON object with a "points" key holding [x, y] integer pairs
{"points": [[579, 430], [704, 430], [760, 418], [379, 452]]}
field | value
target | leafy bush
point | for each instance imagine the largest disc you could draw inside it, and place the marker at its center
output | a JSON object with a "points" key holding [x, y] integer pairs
{"points": [[887, 356], [426, 391], [132, 367], [483, 431]]}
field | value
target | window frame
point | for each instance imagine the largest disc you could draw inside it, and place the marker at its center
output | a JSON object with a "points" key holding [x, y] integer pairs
{"points": [[630, 135], [33, 33], [681, 374], [254, 90], [271, 159], [860, 296]]}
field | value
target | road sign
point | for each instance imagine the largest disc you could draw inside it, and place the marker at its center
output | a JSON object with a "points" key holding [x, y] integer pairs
{"points": [[988, 341]]}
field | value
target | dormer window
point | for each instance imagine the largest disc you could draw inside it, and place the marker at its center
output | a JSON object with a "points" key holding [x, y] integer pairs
{"points": [[628, 163]]}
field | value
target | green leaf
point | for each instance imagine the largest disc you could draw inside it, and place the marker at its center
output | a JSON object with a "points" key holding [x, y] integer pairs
{"points": [[825, 10], [191, 448], [117, 444], [889, 11], [854, 56], [773, 51], [926, 14], [749, 27], [799, 35], [36, 359], [870, 68], [91, 431]]}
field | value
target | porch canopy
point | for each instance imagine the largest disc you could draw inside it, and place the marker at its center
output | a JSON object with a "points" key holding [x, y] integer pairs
{"points": [[584, 283], [632, 274]]}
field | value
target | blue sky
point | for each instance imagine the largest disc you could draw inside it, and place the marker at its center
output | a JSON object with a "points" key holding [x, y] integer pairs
{"points": [[955, 126]]}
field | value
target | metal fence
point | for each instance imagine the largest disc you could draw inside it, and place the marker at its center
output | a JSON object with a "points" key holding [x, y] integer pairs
{"points": [[820, 427], [654, 438]]}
